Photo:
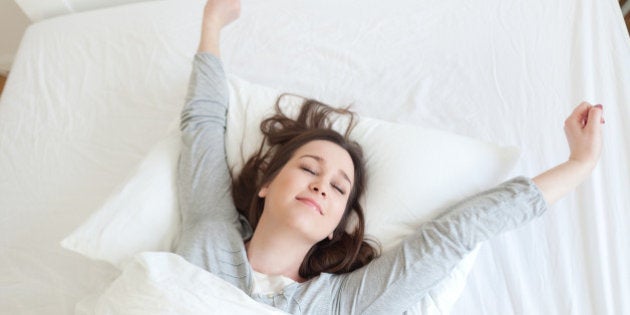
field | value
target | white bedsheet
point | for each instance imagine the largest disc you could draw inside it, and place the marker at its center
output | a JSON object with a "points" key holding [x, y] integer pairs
{"points": [[503, 71]]}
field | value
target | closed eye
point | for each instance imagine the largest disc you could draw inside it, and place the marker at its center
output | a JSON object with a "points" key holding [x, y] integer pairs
{"points": [[308, 170], [339, 189]]}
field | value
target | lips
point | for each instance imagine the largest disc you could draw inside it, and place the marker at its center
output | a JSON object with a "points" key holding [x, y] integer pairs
{"points": [[312, 203]]}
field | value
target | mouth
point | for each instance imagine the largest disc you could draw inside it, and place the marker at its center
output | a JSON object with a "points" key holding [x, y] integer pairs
{"points": [[312, 203]]}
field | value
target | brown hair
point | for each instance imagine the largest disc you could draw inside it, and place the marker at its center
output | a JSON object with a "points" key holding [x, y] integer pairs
{"points": [[346, 251]]}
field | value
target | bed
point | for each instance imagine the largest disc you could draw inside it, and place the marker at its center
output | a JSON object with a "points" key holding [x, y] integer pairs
{"points": [[73, 126]]}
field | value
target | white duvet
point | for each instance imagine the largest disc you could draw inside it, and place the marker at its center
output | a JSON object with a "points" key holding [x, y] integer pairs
{"points": [[160, 283]]}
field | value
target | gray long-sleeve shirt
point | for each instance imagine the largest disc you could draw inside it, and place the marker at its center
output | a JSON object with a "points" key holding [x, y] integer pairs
{"points": [[213, 233]]}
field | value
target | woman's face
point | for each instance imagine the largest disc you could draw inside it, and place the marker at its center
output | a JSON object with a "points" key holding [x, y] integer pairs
{"points": [[311, 191]]}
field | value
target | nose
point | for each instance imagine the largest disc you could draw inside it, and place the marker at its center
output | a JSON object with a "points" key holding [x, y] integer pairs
{"points": [[316, 188]]}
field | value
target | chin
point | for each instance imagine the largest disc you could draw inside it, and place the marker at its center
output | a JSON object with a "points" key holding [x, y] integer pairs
{"points": [[306, 227]]}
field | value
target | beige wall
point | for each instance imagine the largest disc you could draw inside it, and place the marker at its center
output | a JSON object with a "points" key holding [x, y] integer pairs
{"points": [[38, 10], [14, 23], [13, 20]]}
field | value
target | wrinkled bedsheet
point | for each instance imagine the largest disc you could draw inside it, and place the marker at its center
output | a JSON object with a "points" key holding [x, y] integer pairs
{"points": [[508, 72]]}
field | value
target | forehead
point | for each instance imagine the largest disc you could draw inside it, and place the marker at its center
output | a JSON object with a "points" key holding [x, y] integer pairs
{"points": [[331, 154]]}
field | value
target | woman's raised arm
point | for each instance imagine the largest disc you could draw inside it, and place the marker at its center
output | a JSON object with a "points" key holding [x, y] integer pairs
{"points": [[203, 179]]}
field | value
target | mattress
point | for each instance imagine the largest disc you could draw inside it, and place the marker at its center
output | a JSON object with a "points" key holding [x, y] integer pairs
{"points": [[507, 72]]}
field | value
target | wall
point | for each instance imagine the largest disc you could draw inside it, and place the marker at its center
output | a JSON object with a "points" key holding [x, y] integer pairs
{"points": [[16, 15], [14, 23], [38, 10]]}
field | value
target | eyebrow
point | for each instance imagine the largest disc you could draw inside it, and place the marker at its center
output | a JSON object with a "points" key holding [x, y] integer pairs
{"points": [[322, 160]]}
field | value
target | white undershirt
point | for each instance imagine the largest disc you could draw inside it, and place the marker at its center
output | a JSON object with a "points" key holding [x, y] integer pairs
{"points": [[270, 284]]}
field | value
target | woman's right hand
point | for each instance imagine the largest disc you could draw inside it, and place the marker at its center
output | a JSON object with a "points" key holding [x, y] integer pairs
{"points": [[219, 13], [216, 15]]}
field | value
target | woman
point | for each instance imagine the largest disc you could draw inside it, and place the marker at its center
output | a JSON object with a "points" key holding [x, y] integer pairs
{"points": [[285, 242]]}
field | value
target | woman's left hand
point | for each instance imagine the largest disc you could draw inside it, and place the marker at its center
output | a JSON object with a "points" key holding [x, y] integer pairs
{"points": [[583, 129], [584, 133]]}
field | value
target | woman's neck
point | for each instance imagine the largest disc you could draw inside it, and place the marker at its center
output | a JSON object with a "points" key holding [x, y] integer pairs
{"points": [[275, 250]]}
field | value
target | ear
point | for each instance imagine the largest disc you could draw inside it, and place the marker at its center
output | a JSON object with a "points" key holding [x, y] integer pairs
{"points": [[330, 236], [262, 193]]}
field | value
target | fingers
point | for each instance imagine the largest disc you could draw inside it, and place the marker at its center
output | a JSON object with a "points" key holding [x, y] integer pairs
{"points": [[585, 113], [579, 110], [595, 118], [578, 117]]}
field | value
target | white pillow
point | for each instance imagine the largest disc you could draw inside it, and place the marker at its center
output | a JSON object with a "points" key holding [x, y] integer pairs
{"points": [[140, 215], [413, 174]]}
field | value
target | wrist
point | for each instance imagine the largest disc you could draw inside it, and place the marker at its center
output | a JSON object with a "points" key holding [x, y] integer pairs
{"points": [[211, 24], [210, 42], [580, 168], [582, 164], [210, 30]]}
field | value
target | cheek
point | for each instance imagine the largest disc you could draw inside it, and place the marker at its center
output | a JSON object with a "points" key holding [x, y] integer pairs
{"points": [[340, 207], [285, 179]]}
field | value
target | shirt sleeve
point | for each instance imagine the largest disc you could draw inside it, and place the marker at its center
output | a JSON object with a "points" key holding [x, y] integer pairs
{"points": [[212, 231], [398, 279], [203, 178]]}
